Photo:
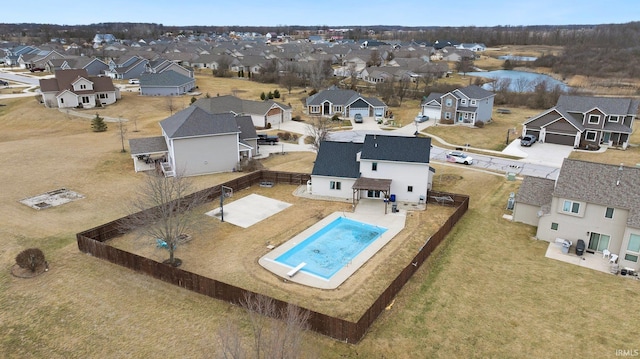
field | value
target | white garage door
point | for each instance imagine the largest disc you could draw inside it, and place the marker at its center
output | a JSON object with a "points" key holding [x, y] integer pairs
{"points": [[432, 113], [274, 119], [362, 111]]}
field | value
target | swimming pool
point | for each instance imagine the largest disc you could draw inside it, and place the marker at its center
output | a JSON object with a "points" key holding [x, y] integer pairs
{"points": [[332, 247]]}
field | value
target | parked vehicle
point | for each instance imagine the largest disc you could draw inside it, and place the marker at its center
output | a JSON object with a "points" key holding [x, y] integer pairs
{"points": [[4, 83], [459, 157], [38, 69], [357, 118], [528, 140], [267, 139], [134, 81], [422, 118]]}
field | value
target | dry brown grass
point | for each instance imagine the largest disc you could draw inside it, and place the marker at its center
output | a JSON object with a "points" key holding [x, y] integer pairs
{"points": [[492, 136], [482, 294]]}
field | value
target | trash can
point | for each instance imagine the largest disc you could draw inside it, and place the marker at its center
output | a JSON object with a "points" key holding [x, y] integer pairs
{"points": [[394, 208], [565, 246], [392, 198], [580, 247]]}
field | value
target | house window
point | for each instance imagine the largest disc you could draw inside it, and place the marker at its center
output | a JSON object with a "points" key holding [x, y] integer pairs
{"points": [[449, 102], [474, 103], [374, 166], [337, 108], [463, 102], [571, 207], [594, 119], [410, 189], [315, 109], [61, 100], [633, 248], [591, 135], [83, 87], [608, 213], [554, 226], [447, 115], [85, 99], [335, 185], [614, 118]]}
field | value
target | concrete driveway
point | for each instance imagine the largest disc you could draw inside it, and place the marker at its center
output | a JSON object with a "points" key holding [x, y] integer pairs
{"points": [[539, 153]]}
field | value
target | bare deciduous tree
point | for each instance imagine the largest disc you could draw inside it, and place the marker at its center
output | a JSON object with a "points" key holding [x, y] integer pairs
{"points": [[279, 338], [163, 210], [318, 130], [122, 133]]}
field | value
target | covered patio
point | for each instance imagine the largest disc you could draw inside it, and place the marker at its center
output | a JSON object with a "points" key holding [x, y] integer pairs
{"points": [[148, 152], [371, 184]]}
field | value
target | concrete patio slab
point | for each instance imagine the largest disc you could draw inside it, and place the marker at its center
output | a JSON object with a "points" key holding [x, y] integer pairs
{"points": [[249, 210]]}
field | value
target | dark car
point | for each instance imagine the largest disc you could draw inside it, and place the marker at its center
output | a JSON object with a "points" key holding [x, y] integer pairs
{"points": [[267, 139], [4, 83], [38, 69], [528, 140]]}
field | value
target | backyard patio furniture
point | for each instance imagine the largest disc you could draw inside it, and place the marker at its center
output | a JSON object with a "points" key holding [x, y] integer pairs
{"points": [[614, 258], [606, 253]]}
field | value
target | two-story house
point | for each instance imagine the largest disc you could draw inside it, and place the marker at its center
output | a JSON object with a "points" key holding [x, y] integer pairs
{"points": [[345, 103], [583, 121], [381, 167], [75, 88], [196, 142], [464, 105], [596, 202]]}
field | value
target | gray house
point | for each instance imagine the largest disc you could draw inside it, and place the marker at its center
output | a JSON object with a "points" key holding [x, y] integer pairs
{"points": [[596, 202], [263, 113], [583, 121], [130, 68], [196, 142], [346, 103], [167, 83], [465, 105]]}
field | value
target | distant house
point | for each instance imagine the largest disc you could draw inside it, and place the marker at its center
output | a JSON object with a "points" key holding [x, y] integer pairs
{"points": [[379, 168], [465, 105], [94, 66], [598, 203], [475, 47], [75, 88], [169, 83], [345, 103], [132, 67], [196, 142], [263, 113], [582, 121]]}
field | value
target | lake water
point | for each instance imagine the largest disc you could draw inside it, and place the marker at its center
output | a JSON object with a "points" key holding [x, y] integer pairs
{"points": [[519, 81]]}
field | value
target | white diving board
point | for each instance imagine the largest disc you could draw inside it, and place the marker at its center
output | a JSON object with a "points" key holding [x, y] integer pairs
{"points": [[295, 270]]}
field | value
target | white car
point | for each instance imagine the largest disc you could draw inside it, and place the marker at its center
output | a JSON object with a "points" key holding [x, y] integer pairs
{"points": [[134, 81], [459, 157]]}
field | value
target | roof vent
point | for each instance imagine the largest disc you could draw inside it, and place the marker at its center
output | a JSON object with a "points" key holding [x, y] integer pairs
{"points": [[375, 145]]}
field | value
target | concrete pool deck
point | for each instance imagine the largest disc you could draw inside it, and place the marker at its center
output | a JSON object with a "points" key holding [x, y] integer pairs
{"points": [[367, 211]]}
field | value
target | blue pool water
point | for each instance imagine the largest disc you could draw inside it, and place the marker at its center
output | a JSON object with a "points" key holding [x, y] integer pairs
{"points": [[332, 247]]}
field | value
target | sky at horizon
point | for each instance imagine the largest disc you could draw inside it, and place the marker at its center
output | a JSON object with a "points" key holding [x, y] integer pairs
{"points": [[331, 13]]}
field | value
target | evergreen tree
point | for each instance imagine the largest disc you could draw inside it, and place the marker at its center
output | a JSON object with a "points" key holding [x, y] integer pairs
{"points": [[276, 93], [263, 96], [98, 124], [270, 95]]}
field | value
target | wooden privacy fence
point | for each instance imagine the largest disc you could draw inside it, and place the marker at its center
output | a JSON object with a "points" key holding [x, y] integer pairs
{"points": [[95, 242]]}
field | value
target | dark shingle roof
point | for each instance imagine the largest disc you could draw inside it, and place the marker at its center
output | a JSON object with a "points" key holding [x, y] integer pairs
{"points": [[246, 127], [194, 121], [396, 148], [603, 184], [334, 160], [220, 104], [146, 145], [337, 96], [535, 191], [609, 105], [167, 78], [475, 92]]}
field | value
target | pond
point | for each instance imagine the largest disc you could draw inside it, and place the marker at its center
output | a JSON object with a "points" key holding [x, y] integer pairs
{"points": [[517, 58], [518, 81]]}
